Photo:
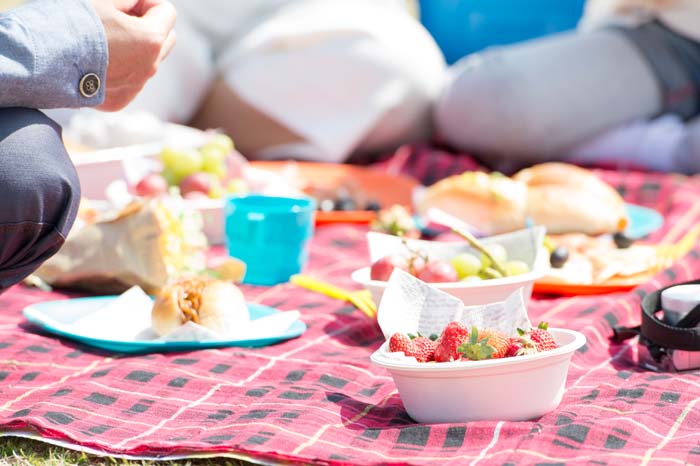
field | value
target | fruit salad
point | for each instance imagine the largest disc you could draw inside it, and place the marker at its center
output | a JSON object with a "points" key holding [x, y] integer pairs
{"points": [[210, 171], [457, 342], [465, 266]]}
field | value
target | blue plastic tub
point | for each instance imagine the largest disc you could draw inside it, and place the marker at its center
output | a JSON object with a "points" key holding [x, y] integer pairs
{"points": [[461, 27]]}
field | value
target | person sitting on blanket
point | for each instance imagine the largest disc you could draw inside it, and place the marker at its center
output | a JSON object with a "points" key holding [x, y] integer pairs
{"points": [[555, 97], [54, 53], [307, 79]]}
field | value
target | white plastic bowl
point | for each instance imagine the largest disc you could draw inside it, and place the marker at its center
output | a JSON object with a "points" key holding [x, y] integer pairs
{"points": [[471, 293], [509, 389], [98, 168]]}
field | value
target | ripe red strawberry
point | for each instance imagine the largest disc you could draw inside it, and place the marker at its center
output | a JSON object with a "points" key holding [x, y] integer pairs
{"points": [[485, 344], [520, 346], [542, 339], [452, 337], [423, 349], [497, 340], [513, 347], [399, 342]]}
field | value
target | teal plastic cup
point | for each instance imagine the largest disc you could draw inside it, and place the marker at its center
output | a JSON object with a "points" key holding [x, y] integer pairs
{"points": [[270, 234]]}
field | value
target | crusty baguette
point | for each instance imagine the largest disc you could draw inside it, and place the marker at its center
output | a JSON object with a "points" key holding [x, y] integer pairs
{"points": [[562, 197], [491, 203], [566, 198]]}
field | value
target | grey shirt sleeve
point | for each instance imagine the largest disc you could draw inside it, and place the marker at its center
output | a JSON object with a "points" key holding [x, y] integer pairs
{"points": [[46, 48]]}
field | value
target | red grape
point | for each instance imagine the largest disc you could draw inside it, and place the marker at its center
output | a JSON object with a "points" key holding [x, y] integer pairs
{"points": [[197, 182], [151, 185], [436, 271], [381, 269]]}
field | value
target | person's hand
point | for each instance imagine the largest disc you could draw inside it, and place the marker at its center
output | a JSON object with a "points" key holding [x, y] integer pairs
{"points": [[140, 35]]}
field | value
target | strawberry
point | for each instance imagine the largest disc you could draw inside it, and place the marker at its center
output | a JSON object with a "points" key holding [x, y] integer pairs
{"points": [[485, 344], [399, 342], [513, 347], [497, 340], [520, 346], [423, 349], [542, 339], [452, 337], [476, 348]]}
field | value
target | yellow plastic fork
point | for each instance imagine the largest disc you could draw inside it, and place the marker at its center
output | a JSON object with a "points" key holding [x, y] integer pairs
{"points": [[667, 254], [362, 299]]}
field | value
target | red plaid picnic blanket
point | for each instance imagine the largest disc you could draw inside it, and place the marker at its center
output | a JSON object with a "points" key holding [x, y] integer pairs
{"points": [[318, 399]]}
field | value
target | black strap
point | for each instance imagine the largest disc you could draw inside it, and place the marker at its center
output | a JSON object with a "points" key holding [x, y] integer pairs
{"points": [[685, 335]]}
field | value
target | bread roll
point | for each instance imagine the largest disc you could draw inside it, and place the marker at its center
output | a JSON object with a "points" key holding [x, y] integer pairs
{"points": [[491, 203], [566, 198], [217, 305]]}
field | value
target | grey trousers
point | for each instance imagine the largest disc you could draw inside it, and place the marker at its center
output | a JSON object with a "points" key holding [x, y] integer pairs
{"points": [[538, 100], [39, 192]]}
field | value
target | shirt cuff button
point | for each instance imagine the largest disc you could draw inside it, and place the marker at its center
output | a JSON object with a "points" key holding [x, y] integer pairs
{"points": [[89, 85]]}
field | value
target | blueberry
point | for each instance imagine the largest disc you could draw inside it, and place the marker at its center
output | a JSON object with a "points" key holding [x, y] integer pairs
{"points": [[374, 206], [345, 203], [431, 233], [559, 257], [622, 241]]}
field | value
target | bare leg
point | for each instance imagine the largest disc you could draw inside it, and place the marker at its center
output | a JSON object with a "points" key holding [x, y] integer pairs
{"points": [[254, 131], [251, 129]]}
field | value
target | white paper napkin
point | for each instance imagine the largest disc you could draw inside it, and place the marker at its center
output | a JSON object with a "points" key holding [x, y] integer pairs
{"points": [[410, 305]]}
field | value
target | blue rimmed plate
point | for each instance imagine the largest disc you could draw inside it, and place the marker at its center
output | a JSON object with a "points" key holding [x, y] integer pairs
{"points": [[643, 221], [56, 317]]}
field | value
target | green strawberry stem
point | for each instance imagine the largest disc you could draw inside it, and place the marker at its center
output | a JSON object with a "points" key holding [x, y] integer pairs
{"points": [[474, 349]]}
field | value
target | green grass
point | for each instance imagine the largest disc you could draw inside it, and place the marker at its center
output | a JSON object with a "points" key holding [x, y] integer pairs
{"points": [[17, 451]]}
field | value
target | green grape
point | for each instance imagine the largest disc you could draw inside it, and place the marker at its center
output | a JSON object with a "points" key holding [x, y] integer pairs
{"points": [[497, 251], [187, 163], [516, 268], [466, 265], [214, 160], [221, 141], [237, 186], [472, 278], [488, 273], [168, 157], [169, 176], [217, 190]]}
